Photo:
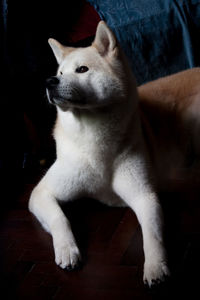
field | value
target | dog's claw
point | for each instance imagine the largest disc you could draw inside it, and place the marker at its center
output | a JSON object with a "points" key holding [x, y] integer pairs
{"points": [[156, 283], [74, 266]]}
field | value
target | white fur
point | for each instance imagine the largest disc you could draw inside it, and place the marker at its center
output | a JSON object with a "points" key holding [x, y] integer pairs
{"points": [[100, 151]]}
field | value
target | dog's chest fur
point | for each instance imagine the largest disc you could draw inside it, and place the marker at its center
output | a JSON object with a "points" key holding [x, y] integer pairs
{"points": [[89, 136]]}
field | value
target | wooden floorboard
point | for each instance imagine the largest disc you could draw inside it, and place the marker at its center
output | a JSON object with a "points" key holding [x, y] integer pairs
{"points": [[110, 240]]}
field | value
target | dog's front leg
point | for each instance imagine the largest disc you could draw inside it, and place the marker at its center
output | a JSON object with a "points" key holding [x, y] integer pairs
{"points": [[131, 184], [45, 207]]}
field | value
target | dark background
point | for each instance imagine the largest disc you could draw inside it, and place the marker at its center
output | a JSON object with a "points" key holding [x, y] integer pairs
{"points": [[26, 60], [159, 37]]}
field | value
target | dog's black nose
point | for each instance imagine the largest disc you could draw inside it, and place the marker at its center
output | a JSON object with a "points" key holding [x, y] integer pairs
{"points": [[52, 82]]}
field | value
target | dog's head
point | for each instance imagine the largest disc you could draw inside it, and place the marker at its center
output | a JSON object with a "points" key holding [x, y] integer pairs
{"points": [[88, 77]]}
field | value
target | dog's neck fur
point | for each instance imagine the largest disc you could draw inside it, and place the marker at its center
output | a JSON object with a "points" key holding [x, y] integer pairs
{"points": [[88, 128]]}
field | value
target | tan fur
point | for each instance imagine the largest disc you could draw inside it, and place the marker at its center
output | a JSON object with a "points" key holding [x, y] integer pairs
{"points": [[170, 111]]}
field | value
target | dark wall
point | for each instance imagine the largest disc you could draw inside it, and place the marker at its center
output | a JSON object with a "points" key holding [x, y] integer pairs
{"points": [[26, 60]]}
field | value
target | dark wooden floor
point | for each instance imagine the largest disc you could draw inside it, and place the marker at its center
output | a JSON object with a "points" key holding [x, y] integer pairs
{"points": [[111, 245]]}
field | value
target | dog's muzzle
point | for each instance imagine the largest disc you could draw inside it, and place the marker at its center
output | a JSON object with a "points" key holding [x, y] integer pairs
{"points": [[63, 97]]}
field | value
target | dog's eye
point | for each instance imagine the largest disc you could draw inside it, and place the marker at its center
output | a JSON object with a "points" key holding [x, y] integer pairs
{"points": [[61, 73], [82, 69]]}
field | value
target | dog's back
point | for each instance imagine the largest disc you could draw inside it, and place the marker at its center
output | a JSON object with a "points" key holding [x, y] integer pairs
{"points": [[170, 110]]}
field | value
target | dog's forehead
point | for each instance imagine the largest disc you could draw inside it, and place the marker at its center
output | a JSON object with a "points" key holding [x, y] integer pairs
{"points": [[81, 56]]}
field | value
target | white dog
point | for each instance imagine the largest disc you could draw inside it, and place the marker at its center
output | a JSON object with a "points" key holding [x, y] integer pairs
{"points": [[101, 152]]}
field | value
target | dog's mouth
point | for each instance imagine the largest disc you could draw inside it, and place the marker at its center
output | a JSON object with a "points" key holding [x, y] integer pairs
{"points": [[66, 102], [75, 101], [69, 102]]}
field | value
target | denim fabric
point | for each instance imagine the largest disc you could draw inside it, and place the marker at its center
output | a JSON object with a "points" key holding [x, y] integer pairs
{"points": [[160, 37]]}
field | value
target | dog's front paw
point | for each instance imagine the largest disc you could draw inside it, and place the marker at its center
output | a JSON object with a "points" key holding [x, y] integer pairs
{"points": [[67, 256], [155, 273]]}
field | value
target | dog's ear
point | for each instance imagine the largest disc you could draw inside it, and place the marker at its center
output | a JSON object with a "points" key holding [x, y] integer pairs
{"points": [[105, 41], [59, 50]]}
